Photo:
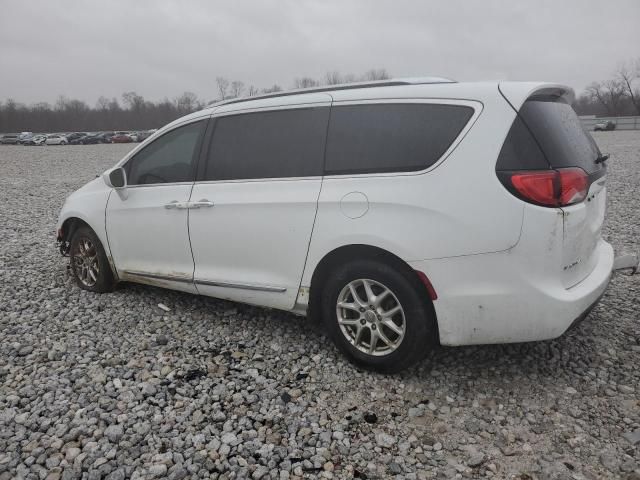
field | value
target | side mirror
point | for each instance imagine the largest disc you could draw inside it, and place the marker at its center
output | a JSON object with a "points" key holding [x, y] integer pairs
{"points": [[116, 178]]}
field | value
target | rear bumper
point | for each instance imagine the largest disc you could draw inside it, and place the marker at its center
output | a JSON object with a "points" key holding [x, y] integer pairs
{"points": [[503, 298]]}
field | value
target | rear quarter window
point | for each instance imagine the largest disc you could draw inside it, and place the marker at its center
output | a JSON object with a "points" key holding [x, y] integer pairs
{"points": [[391, 137], [547, 133]]}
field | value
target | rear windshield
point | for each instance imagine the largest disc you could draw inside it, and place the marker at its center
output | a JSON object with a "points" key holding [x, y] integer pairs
{"points": [[558, 131]]}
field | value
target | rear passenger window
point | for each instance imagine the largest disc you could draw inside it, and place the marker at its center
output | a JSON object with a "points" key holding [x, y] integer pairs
{"points": [[391, 137], [274, 144]]}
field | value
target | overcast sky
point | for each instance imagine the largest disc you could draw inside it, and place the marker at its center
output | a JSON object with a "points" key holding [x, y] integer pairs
{"points": [[161, 48]]}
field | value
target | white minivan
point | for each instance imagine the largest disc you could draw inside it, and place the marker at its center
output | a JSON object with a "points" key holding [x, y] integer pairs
{"points": [[403, 213]]}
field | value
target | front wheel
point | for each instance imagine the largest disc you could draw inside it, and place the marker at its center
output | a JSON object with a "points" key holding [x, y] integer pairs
{"points": [[378, 315], [89, 262]]}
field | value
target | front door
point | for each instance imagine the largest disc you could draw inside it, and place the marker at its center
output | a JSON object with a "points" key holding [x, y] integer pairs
{"points": [[146, 222], [258, 195]]}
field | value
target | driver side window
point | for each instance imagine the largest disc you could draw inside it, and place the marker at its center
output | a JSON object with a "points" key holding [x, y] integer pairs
{"points": [[168, 159]]}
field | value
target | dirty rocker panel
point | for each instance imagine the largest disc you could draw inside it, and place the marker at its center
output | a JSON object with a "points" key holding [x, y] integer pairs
{"points": [[262, 288], [244, 286], [172, 278]]}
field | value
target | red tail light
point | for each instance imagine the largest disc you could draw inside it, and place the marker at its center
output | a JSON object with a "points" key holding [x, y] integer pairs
{"points": [[550, 188]]}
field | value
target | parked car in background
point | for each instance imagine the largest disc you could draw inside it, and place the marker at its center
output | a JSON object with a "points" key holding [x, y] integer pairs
{"points": [[24, 136], [77, 140], [107, 136], [35, 140], [91, 139], [607, 125], [144, 134], [56, 140], [121, 137], [9, 139], [73, 136], [133, 136], [373, 208]]}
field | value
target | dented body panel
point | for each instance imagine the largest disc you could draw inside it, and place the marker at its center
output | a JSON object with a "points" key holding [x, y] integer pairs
{"points": [[582, 226], [518, 295]]}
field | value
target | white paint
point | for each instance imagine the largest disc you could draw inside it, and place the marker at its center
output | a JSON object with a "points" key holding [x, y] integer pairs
{"points": [[354, 205], [495, 262]]}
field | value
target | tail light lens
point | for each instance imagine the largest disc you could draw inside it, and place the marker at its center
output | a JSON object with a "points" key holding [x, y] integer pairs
{"points": [[549, 188]]}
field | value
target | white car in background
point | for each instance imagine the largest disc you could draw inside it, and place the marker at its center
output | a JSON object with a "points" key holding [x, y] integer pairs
{"points": [[403, 213], [56, 140]]}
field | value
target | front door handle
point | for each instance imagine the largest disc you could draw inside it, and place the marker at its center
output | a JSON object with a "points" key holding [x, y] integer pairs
{"points": [[176, 205], [201, 203]]}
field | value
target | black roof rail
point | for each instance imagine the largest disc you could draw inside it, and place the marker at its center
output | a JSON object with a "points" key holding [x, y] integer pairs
{"points": [[331, 88]]}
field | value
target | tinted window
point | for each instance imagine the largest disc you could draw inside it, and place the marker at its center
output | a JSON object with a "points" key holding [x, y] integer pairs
{"points": [[520, 151], [168, 159], [559, 133], [275, 144], [391, 137]]}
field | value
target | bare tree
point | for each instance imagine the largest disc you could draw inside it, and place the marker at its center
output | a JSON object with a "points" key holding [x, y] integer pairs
{"points": [[237, 87], [629, 76], [305, 82], [187, 102], [272, 89], [61, 102], [223, 85], [609, 93], [376, 74], [114, 106], [133, 101], [349, 78], [40, 107], [253, 91], [102, 103], [333, 78]]}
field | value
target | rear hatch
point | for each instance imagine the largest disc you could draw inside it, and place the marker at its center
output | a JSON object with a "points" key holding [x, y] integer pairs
{"points": [[552, 123]]}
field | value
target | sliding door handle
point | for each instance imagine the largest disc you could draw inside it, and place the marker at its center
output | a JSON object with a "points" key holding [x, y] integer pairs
{"points": [[201, 204]]}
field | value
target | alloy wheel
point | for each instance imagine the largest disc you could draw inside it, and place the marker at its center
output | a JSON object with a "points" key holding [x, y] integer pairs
{"points": [[371, 317], [85, 259]]}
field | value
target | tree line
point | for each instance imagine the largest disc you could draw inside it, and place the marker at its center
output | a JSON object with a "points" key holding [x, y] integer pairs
{"points": [[616, 96], [134, 112]]}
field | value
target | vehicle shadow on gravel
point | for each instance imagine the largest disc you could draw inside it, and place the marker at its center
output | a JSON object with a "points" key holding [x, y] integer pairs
{"points": [[575, 351]]}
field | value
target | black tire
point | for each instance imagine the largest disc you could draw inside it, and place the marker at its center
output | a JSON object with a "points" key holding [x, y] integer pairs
{"points": [[420, 331], [104, 281]]}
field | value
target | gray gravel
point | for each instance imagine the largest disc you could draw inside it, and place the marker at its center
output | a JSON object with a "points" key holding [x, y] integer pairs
{"points": [[111, 386]]}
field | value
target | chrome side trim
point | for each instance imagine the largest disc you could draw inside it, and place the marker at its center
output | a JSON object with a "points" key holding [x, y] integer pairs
{"points": [[244, 286], [171, 278]]}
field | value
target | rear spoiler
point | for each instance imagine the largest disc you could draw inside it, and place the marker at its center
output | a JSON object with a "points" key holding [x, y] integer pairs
{"points": [[516, 93]]}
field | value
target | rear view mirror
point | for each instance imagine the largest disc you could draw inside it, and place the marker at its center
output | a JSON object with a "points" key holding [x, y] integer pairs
{"points": [[116, 178]]}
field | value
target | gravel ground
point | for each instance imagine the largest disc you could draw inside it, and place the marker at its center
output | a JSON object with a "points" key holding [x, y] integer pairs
{"points": [[110, 386]]}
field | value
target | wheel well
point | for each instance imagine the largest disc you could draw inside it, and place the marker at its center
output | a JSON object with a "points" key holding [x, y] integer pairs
{"points": [[69, 226], [350, 252]]}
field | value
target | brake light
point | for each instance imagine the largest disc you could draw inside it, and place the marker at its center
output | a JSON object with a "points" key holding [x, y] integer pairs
{"points": [[550, 188]]}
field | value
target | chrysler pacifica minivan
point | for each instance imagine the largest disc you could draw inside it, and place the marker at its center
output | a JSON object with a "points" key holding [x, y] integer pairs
{"points": [[402, 213]]}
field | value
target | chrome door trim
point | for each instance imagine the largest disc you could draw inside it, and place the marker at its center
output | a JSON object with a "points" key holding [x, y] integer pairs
{"points": [[244, 286], [171, 278]]}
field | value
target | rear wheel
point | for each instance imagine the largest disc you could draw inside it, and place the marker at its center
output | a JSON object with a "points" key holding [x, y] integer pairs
{"points": [[378, 315], [89, 262]]}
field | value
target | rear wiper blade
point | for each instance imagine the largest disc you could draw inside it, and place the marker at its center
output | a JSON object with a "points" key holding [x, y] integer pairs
{"points": [[602, 158]]}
